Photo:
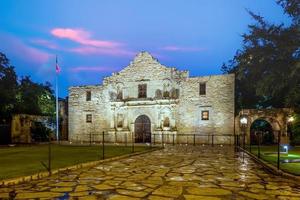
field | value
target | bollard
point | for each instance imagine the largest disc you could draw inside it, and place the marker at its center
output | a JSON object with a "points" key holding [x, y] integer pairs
{"points": [[212, 140]]}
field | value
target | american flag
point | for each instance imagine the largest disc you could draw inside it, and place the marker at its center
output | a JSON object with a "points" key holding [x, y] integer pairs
{"points": [[57, 68]]}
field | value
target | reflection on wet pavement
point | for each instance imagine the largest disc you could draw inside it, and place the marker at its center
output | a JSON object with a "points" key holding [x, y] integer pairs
{"points": [[177, 172]]}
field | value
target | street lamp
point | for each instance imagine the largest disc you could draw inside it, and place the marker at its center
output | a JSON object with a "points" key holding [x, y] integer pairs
{"points": [[290, 119], [243, 123]]}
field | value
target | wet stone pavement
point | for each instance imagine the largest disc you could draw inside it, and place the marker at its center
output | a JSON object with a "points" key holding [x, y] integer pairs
{"points": [[180, 172]]}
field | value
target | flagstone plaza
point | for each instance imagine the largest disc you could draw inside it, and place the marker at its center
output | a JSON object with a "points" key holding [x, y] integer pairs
{"points": [[176, 172]]}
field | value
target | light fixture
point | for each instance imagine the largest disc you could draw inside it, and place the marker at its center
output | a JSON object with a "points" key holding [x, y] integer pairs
{"points": [[291, 119], [244, 120], [286, 148]]}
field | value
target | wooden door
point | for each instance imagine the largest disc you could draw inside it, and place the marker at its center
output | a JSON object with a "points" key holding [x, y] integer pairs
{"points": [[142, 127]]}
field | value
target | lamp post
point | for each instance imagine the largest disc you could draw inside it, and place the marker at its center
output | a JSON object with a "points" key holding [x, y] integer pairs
{"points": [[243, 125]]}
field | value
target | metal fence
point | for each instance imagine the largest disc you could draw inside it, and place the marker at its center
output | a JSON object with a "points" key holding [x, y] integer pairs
{"points": [[193, 139], [53, 154], [156, 139], [275, 151]]}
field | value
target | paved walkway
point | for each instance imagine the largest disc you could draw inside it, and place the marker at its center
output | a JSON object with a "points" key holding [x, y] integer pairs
{"points": [[181, 172]]}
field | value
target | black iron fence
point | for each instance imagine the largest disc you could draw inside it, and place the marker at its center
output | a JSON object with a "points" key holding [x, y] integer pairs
{"points": [[52, 154], [156, 139], [274, 150], [193, 139]]}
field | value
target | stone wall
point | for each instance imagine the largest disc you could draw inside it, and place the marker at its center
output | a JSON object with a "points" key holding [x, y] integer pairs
{"points": [[171, 96], [21, 125]]}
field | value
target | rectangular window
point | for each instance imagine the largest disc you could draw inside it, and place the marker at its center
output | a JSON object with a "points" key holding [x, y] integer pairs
{"points": [[202, 89], [205, 115], [88, 95], [142, 91], [89, 118]]}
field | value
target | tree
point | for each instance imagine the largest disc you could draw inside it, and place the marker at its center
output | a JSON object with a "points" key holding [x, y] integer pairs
{"points": [[267, 68], [8, 87], [24, 95], [34, 98]]}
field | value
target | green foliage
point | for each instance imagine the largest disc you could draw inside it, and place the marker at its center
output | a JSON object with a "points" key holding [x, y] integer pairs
{"points": [[292, 8], [23, 96], [295, 130], [8, 86], [267, 68], [35, 98]]}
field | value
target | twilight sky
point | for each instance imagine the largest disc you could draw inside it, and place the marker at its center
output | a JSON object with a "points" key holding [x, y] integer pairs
{"points": [[94, 38]]}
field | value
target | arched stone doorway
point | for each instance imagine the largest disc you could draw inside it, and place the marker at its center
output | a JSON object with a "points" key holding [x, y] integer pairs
{"points": [[142, 129], [277, 118], [261, 131]]}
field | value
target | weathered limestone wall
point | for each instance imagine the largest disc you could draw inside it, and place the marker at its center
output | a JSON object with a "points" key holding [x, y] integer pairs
{"points": [[79, 108], [170, 94], [219, 101]]}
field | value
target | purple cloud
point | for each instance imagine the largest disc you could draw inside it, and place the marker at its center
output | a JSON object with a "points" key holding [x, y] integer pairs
{"points": [[83, 37], [14, 47], [44, 43], [86, 50], [92, 69], [90, 46], [182, 49]]}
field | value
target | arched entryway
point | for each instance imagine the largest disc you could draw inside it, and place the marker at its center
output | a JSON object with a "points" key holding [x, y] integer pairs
{"points": [[142, 129], [261, 131]]}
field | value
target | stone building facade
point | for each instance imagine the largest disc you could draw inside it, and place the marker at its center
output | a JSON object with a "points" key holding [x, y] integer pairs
{"points": [[148, 101]]}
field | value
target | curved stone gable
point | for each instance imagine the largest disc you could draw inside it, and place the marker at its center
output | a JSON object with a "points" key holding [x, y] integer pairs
{"points": [[145, 67]]}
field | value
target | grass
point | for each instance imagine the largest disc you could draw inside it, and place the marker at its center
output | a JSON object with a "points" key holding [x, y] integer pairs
{"points": [[293, 153], [26, 160]]}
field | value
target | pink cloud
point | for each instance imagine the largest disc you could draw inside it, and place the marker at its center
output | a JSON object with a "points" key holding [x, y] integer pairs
{"points": [[89, 46], [45, 43], [86, 50], [92, 69], [82, 37], [178, 48]]}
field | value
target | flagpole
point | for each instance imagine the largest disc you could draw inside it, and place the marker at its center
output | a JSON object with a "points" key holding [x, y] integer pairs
{"points": [[56, 80]]}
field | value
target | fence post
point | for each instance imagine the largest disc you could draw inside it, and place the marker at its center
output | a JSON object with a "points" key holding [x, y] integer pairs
{"points": [[173, 140], [132, 140], [162, 139], [49, 156], [194, 139], [250, 143], [258, 150], [90, 138], [212, 140], [278, 149], [103, 155]]}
